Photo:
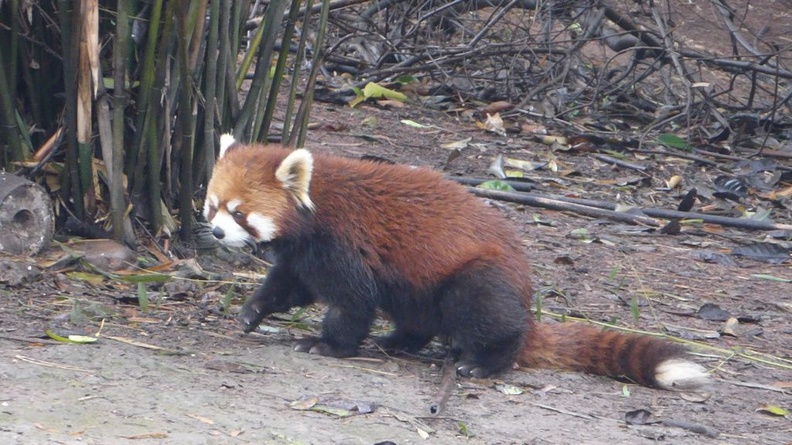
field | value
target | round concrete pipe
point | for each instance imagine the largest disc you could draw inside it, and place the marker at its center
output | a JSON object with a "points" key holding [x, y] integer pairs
{"points": [[26, 219]]}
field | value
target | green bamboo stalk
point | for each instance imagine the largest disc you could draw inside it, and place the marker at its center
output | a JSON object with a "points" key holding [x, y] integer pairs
{"points": [[280, 69], [120, 55], [251, 117], [71, 190], [13, 58], [304, 113], [146, 82], [210, 79], [146, 138], [296, 75], [9, 113], [247, 60], [223, 58], [238, 19], [186, 121], [196, 27]]}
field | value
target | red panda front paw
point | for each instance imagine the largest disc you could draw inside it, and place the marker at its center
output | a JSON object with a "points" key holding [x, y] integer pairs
{"points": [[314, 345], [250, 317], [471, 369]]}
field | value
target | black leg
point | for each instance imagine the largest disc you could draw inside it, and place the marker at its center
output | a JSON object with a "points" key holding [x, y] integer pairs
{"points": [[279, 292], [403, 340], [343, 329], [484, 314]]}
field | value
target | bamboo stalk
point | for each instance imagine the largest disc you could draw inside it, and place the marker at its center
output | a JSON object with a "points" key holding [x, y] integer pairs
{"points": [[223, 58], [280, 69], [116, 163], [248, 124], [210, 80], [87, 83], [186, 110], [295, 79], [70, 31], [9, 112], [304, 113]]}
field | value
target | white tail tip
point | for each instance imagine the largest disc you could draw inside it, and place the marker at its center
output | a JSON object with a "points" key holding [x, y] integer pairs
{"points": [[679, 374]]}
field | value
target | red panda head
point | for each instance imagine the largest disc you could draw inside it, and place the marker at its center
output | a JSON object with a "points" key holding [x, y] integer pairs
{"points": [[254, 189]]}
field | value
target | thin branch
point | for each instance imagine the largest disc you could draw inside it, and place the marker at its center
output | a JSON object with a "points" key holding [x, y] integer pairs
{"points": [[601, 209], [446, 387]]}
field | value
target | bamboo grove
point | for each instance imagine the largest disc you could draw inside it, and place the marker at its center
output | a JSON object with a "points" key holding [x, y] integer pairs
{"points": [[117, 106]]}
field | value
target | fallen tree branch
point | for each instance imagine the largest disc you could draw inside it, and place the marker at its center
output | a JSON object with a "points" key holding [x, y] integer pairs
{"points": [[618, 162], [557, 204], [605, 209], [446, 386], [692, 426]]}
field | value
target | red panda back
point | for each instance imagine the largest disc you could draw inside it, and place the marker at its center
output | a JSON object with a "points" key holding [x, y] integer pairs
{"points": [[410, 218]]}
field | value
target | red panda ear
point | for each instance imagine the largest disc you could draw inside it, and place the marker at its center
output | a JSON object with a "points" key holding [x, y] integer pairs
{"points": [[294, 173], [226, 141]]}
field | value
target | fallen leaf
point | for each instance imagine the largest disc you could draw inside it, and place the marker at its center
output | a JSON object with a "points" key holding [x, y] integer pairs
{"points": [[496, 185], [674, 182], [411, 123], [695, 397], [509, 390], [670, 140], [712, 312], [691, 333], [773, 410], [729, 327], [638, 417], [458, 145], [496, 107], [533, 128], [764, 252], [494, 124], [304, 404]]}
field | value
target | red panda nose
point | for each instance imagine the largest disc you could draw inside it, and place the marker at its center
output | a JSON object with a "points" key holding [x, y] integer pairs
{"points": [[218, 233]]}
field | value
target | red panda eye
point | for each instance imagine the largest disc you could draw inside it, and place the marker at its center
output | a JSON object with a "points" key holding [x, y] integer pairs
{"points": [[238, 215]]}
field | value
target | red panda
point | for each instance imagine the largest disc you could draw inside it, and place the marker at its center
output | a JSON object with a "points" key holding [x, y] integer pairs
{"points": [[362, 236]]}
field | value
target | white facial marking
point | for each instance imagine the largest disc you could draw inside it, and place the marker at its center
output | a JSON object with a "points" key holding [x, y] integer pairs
{"points": [[233, 205], [235, 235], [211, 201], [265, 227]]}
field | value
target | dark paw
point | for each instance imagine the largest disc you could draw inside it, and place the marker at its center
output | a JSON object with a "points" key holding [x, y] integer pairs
{"points": [[250, 317], [472, 369], [313, 345]]}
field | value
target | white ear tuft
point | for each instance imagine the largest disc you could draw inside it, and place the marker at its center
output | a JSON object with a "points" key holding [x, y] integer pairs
{"points": [[294, 173], [226, 141]]}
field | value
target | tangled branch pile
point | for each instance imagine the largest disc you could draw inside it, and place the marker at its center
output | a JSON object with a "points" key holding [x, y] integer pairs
{"points": [[708, 66]]}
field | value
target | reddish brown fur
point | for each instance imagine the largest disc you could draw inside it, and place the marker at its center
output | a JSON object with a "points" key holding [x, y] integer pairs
{"points": [[414, 226]]}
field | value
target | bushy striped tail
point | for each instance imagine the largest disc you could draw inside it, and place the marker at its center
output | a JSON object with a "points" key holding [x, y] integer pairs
{"points": [[642, 359]]}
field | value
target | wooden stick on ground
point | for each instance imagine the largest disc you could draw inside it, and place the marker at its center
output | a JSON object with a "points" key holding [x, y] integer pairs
{"points": [[446, 386], [556, 204], [602, 209]]}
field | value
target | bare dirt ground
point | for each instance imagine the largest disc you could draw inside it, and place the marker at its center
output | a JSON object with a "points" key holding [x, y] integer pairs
{"points": [[210, 384], [182, 373]]}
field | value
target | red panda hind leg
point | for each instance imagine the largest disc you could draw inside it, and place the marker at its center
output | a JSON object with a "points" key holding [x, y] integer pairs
{"points": [[484, 315]]}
